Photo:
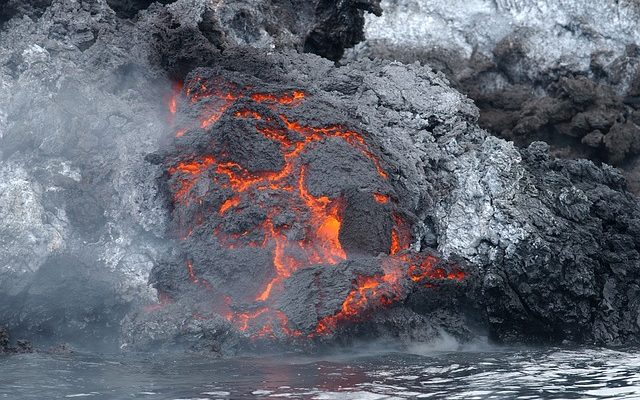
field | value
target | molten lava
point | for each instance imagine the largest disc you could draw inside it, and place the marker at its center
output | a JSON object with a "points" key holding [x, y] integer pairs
{"points": [[381, 291], [320, 216], [381, 198]]}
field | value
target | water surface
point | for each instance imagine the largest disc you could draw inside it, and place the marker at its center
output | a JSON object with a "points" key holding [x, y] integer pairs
{"points": [[419, 373]]}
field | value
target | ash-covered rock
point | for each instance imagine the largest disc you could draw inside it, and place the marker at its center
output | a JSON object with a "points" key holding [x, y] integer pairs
{"points": [[542, 237], [84, 98], [82, 222], [565, 72], [441, 227]]}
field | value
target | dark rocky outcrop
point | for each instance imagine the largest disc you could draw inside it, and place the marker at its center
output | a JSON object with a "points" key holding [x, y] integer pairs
{"points": [[550, 246], [533, 75], [22, 346], [31, 8], [130, 8], [322, 27], [339, 25], [529, 248]]}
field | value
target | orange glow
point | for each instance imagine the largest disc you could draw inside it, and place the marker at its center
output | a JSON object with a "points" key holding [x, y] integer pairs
{"points": [[395, 244], [381, 198], [242, 319], [215, 115], [193, 167], [248, 114], [326, 212], [192, 275], [456, 275], [173, 100], [313, 238], [267, 292], [371, 292], [424, 270], [192, 170], [283, 99], [382, 291], [400, 236], [231, 203]]}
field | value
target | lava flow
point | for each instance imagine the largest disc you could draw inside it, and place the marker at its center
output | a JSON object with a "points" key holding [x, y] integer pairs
{"points": [[297, 227], [381, 291]]}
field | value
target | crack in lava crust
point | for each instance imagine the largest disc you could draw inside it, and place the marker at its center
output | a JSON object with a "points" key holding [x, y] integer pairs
{"points": [[298, 226]]}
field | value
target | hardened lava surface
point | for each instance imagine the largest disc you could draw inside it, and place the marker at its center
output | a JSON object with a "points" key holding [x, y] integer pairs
{"points": [[564, 72], [288, 222], [274, 197]]}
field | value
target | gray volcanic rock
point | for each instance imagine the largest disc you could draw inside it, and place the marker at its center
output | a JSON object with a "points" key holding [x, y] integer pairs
{"points": [[548, 249], [84, 99], [80, 107], [553, 245], [561, 71], [31, 8]]}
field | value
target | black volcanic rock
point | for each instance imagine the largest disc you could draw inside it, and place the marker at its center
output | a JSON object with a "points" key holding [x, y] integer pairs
{"points": [[192, 33], [31, 8], [550, 247], [4, 340], [339, 25], [526, 247], [533, 75], [22, 346], [129, 8]]}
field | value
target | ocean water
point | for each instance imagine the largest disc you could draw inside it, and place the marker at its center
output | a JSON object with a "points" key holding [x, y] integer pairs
{"points": [[369, 373]]}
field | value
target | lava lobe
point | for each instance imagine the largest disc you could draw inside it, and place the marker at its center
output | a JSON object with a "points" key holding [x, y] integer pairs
{"points": [[288, 224]]}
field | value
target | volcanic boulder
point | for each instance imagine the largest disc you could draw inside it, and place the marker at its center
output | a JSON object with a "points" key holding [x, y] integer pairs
{"points": [[83, 98], [516, 221], [267, 197]]}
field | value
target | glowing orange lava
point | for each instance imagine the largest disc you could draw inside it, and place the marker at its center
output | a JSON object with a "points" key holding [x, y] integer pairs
{"points": [[382, 291], [319, 215], [173, 100], [230, 203], [381, 198], [400, 236]]}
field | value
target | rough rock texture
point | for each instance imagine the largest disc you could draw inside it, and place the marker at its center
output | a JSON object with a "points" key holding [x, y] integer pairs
{"points": [[339, 25], [549, 248], [31, 8], [83, 100], [187, 32], [22, 346], [553, 244], [321, 27], [561, 71], [130, 8]]}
